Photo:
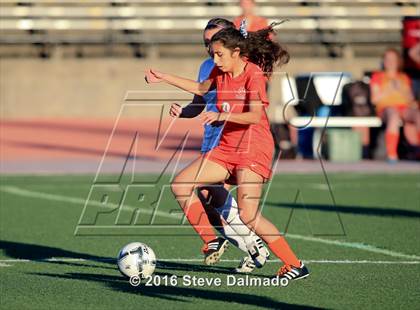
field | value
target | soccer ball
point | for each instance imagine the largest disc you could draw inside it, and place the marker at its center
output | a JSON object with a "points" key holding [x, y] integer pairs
{"points": [[136, 259]]}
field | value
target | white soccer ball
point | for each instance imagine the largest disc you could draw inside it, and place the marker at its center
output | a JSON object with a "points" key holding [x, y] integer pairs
{"points": [[136, 259]]}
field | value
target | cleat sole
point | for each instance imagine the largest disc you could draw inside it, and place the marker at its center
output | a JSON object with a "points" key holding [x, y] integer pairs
{"points": [[214, 258]]}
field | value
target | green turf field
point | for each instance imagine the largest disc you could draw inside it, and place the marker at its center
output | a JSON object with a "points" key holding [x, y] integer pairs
{"points": [[360, 241]]}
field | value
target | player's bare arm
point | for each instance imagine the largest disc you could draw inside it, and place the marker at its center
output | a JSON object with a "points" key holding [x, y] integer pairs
{"points": [[191, 86]]}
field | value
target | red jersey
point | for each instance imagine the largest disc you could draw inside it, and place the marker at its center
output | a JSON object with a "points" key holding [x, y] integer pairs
{"points": [[234, 95]]}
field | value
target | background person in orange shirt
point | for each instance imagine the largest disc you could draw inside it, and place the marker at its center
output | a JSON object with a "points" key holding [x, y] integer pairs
{"points": [[392, 95], [254, 22]]}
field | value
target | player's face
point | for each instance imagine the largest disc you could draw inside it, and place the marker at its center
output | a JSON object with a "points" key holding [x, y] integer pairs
{"points": [[224, 58], [391, 61], [208, 34]]}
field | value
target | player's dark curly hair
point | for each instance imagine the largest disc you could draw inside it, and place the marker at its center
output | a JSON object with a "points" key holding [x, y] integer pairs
{"points": [[219, 22], [259, 46]]}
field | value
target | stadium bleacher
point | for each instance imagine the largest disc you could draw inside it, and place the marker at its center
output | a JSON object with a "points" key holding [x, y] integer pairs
{"points": [[154, 23]]}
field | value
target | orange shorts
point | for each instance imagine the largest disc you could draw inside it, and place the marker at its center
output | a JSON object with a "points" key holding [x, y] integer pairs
{"points": [[233, 161]]}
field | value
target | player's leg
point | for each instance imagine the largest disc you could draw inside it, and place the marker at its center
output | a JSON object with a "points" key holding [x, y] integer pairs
{"points": [[215, 205], [214, 218], [207, 202], [200, 172], [236, 230], [249, 193], [246, 265], [256, 252], [218, 202], [392, 120]]}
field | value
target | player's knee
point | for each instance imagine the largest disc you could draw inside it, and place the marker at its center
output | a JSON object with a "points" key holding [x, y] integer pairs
{"points": [[247, 216], [393, 123], [174, 188], [392, 115], [180, 189]]}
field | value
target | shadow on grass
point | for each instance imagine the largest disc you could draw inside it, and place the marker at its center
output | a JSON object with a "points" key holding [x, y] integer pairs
{"points": [[164, 265], [44, 254], [21, 250], [179, 293], [118, 283], [375, 211]]}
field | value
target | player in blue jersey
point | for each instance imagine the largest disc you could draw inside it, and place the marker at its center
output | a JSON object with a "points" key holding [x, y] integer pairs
{"points": [[220, 206]]}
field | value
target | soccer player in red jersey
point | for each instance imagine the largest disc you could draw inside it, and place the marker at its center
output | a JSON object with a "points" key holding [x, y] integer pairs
{"points": [[244, 61], [221, 209]]}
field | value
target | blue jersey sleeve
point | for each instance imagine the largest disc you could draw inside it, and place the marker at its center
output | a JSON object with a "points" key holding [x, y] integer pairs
{"points": [[205, 70], [212, 133]]}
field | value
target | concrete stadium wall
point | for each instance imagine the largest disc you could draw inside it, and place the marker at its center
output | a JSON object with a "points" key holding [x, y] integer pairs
{"points": [[96, 88]]}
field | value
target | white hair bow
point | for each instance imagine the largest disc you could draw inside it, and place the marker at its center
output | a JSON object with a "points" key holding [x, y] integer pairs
{"points": [[242, 28]]}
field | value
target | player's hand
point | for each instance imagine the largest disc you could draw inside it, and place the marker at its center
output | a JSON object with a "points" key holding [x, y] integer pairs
{"points": [[175, 110], [212, 117], [153, 76]]}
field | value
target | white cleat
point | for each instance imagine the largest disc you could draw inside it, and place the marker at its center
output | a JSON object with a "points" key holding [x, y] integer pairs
{"points": [[259, 253], [246, 265]]}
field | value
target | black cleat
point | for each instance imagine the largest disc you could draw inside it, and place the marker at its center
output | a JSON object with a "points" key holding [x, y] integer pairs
{"points": [[214, 250], [293, 273]]}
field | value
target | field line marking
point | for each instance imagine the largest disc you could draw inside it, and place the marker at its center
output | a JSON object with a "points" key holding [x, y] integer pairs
{"points": [[5, 265], [79, 201], [354, 245], [309, 261], [3, 262]]}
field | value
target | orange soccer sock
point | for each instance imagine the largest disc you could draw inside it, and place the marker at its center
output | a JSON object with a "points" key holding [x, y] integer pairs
{"points": [[198, 219], [282, 250], [391, 141]]}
